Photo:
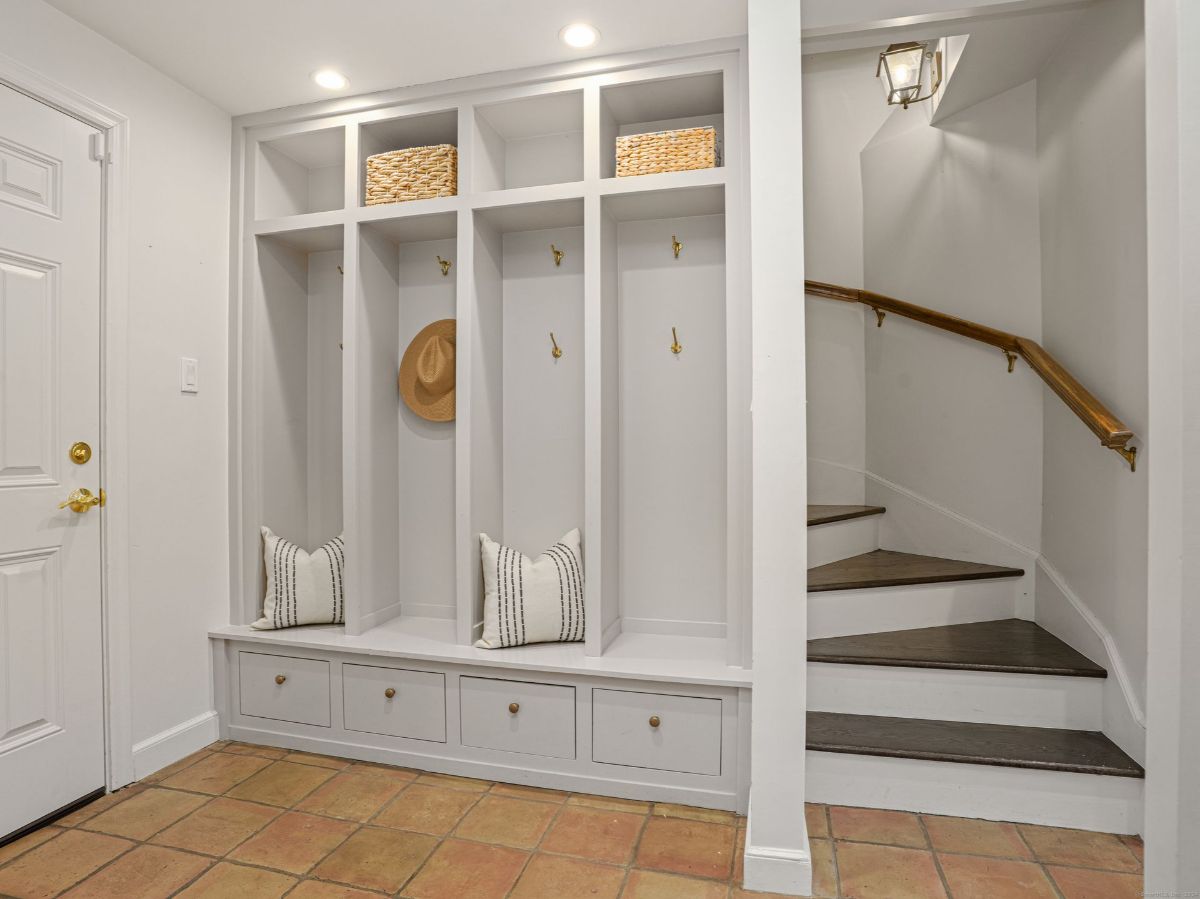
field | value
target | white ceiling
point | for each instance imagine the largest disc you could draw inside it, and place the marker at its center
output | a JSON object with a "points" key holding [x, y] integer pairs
{"points": [[251, 55]]}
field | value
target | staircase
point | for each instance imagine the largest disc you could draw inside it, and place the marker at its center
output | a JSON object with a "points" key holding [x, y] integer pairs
{"points": [[926, 694]]}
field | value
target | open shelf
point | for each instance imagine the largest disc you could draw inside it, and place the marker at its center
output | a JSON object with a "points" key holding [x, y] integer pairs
{"points": [[638, 107], [531, 141], [297, 377], [526, 406], [402, 133], [666, 481], [409, 461], [301, 173]]}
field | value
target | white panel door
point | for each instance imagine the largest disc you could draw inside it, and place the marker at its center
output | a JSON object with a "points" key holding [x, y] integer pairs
{"points": [[51, 675]]}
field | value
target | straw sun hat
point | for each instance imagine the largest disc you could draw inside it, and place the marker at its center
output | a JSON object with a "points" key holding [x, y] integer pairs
{"points": [[427, 372]]}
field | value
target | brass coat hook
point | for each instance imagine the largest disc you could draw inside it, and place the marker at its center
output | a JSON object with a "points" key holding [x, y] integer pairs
{"points": [[340, 272], [676, 246], [558, 255], [1012, 360], [676, 347], [557, 351], [879, 314], [445, 264]]}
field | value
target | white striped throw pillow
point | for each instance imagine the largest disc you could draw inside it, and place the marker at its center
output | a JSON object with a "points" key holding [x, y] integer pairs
{"points": [[532, 600], [302, 588]]}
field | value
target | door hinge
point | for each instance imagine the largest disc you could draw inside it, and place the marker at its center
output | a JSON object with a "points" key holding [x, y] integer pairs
{"points": [[99, 148]]}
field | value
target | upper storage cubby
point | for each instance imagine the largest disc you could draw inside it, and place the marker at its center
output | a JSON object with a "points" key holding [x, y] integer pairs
{"points": [[300, 173], [536, 140], [667, 104], [404, 133]]}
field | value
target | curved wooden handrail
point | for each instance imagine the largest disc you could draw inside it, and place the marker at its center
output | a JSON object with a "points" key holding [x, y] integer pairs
{"points": [[1093, 413]]}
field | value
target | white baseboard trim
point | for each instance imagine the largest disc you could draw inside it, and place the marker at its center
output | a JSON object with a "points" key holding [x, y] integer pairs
{"points": [[378, 617], [670, 627], [171, 745], [428, 610], [773, 870]]}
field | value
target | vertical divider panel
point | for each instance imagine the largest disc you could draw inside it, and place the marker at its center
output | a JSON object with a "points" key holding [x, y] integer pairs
{"points": [[737, 371], [356, 578], [466, 543], [595, 548], [479, 326]]}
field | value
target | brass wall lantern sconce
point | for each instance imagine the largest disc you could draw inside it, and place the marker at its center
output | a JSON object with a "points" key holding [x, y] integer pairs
{"points": [[911, 72]]}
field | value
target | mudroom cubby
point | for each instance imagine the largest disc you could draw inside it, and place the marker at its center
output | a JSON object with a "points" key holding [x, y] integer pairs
{"points": [[535, 140], [405, 284], [526, 410], [295, 365], [664, 278], [639, 106], [300, 173], [572, 410]]}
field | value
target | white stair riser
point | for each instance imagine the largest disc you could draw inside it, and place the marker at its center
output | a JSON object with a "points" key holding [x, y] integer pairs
{"points": [[1029, 796], [841, 613], [984, 697], [842, 540]]}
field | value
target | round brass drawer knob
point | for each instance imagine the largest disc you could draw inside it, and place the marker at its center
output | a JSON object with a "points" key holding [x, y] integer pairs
{"points": [[389, 692], [655, 721], [279, 679], [514, 707]]}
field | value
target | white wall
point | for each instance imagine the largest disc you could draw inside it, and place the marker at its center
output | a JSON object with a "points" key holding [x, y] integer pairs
{"points": [[842, 111], [178, 302], [951, 222], [1092, 162]]}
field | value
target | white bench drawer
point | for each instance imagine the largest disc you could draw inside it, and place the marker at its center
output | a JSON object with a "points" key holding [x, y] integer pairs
{"points": [[515, 716], [395, 701], [284, 688], [656, 730]]}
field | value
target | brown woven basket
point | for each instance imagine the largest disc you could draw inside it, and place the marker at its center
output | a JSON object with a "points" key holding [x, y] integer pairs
{"points": [[667, 151], [418, 173]]}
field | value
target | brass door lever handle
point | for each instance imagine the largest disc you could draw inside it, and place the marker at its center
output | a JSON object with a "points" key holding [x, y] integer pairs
{"points": [[82, 499]]}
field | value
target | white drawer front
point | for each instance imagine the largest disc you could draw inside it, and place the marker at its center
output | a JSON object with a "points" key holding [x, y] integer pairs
{"points": [[514, 716], [284, 688], [687, 737], [395, 701]]}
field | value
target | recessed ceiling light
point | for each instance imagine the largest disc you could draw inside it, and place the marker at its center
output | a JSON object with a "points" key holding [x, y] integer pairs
{"points": [[579, 35], [330, 79]]}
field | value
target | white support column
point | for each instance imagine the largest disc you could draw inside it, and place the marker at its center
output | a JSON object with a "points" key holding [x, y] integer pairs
{"points": [[777, 855], [1173, 208]]}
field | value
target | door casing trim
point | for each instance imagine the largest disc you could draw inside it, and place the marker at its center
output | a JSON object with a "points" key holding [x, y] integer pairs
{"points": [[114, 405]]}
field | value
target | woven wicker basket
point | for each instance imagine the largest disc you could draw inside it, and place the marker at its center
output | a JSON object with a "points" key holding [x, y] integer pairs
{"points": [[667, 151], [417, 173]]}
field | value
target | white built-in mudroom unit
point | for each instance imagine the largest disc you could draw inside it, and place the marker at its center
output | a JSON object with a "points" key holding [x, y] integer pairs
{"points": [[602, 384]]}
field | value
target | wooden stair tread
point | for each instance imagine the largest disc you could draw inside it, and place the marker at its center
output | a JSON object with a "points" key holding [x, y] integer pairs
{"points": [[885, 568], [829, 514], [1005, 745], [1010, 645]]}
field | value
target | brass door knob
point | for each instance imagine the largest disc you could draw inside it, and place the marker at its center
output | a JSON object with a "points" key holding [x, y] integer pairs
{"points": [[81, 500], [514, 707], [280, 678], [655, 721], [80, 453], [389, 692]]}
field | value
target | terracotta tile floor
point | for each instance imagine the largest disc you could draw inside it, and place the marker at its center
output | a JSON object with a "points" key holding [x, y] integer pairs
{"points": [[244, 822]]}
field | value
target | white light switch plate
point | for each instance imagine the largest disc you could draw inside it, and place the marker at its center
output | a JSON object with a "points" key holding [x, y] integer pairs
{"points": [[189, 375]]}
